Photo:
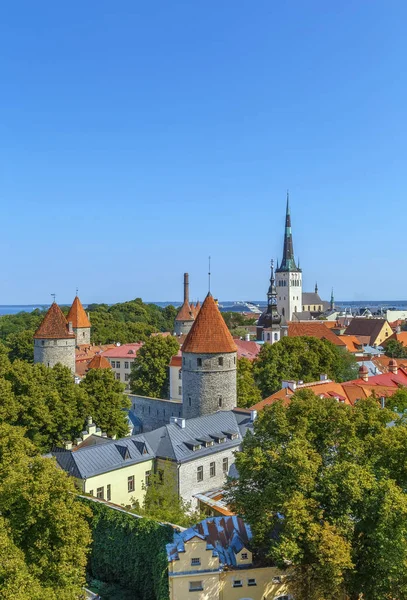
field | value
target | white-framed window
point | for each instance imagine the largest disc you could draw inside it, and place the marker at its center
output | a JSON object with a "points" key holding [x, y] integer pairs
{"points": [[118, 376], [199, 473], [100, 493], [212, 469], [117, 364], [195, 586], [113, 363], [195, 562], [130, 483], [108, 492], [251, 582], [126, 365], [148, 475], [225, 465], [237, 583]]}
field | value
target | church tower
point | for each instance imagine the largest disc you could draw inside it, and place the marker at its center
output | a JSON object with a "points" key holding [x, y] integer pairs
{"points": [[288, 275], [54, 340], [80, 322], [185, 316], [209, 357], [270, 326]]}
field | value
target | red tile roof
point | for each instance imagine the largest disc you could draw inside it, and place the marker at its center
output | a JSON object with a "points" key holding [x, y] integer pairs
{"points": [[209, 333], [247, 349], [78, 315], [314, 329], [176, 361], [99, 362], [398, 337], [123, 351], [185, 313], [54, 325]]}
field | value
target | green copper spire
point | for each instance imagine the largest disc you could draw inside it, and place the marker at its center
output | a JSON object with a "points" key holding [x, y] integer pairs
{"points": [[288, 262]]}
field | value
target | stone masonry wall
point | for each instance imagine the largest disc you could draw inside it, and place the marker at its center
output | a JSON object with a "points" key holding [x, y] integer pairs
{"points": [[188, 479], [82, 335], [154, 412], [51, 352], [182, 327], [207, 385]]}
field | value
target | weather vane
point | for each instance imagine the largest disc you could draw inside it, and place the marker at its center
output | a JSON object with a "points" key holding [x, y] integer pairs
{"points": [[209, 274], [53, 296]]}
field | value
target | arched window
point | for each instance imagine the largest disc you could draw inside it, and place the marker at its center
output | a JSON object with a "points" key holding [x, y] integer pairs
{"points": [[276, 337]]}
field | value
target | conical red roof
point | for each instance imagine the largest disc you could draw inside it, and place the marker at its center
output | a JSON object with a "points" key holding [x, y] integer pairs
{"points": [[54, 325], [99, 362], [185, 313], [209, 333], [78, 315]]}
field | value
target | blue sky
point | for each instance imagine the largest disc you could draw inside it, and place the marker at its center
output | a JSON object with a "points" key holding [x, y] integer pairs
{"points": [[137, 138]]}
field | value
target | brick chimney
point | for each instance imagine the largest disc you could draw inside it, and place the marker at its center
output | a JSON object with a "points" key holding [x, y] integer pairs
{"points": [[393, 366]]}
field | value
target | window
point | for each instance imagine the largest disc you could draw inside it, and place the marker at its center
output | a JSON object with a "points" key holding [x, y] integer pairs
{"points": [[91, 492], [130, 483], [126, 365], [100, 493], [117, 364], [183, 360], [195, 562], [179, 374], [118, 376], [126, 376], [199, 474], [179, 390], [189, 400], [220, 401], [199, 362], [244, 556], [237, 583], [108, 493], [148, 475], [113, 363], [225, 465], [251, 582], [234, 360], [220, 361], [212, 469], [195, 586]]}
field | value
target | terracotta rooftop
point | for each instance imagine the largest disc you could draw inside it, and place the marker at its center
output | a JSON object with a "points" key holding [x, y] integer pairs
{"points": [[99, 362], [314, 329], [54, 325], [209, 333], [247, 349], [78, 315], [352, 342], [185, 313], [124, 351], [176, 361], [398, 337]]}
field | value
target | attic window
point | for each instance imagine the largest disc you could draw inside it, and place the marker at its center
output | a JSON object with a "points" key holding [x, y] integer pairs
{"points": [[193, 445], [131, 352], [232, 435], [220, 438]]}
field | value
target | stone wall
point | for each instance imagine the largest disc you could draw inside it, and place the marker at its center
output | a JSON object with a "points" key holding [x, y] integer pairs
{"points": [[182, 327], [154, 412], [82, 335], [188, 479], [51, 352], [208, 383]]}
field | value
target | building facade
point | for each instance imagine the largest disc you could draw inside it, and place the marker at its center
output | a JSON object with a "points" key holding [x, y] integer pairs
{"points": [[121, 359]]}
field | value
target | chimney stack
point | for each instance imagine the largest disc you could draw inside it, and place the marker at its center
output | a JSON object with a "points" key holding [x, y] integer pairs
{"points": [[393, 366], [186, 287]]}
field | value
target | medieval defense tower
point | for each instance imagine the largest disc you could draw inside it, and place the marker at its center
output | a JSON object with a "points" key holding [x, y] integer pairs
{"points": [[209, 357], [186, 314], [54, 340], [288, 275], [80, 322]]}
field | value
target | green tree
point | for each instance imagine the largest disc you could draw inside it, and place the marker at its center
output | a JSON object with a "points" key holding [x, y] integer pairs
{"points": [[44, 529], [150, 370], [162, 501], [301, 358], [247, 391], [395, 349], [21, 345], [106, 401], [398, 401], [323, 486]]}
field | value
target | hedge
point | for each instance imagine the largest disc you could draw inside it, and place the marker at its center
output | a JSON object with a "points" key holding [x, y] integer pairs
{"points": [[129, 552]]}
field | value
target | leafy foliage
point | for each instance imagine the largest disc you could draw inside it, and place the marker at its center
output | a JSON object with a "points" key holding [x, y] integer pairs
{"points": [[301, 358], [149, 372], [44, 536], [395, 349], [323, 486], [247, 391], [236, 319], [129, 552]]}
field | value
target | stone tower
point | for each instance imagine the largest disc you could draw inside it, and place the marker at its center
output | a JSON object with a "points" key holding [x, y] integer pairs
{"points": [[54, 340], [209, 357], [80, 322], [185, 317], [288, 275], [270, 326]]}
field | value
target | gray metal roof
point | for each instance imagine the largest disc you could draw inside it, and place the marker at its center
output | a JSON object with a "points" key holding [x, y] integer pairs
{"points": [[311, 298], [170, 441]]}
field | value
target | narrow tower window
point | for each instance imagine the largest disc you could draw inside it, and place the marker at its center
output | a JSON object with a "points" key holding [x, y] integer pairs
{"points": [[220, 361]]}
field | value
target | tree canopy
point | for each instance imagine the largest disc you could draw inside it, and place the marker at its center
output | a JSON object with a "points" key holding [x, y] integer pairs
{"points": [[395, 349], [44, 536], [323, 486], [301, 358], [247, 391], [149, 372]]}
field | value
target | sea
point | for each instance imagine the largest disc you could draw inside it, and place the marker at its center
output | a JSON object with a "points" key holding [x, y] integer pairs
{"points": [[238, 306]]}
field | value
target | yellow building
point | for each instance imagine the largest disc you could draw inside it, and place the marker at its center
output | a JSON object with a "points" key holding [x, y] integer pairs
{"points": [[213, 561], [370, 331]]}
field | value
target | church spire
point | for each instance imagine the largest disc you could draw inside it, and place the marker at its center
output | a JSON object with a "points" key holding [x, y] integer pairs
{"points": [[288, 262], [316, 287], [332, 300]]}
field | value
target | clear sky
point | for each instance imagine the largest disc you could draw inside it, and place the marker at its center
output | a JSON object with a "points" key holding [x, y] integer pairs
{"points": [[137, 138]]}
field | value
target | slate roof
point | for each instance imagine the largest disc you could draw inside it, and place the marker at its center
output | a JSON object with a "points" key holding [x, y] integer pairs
{"points": [[309, 298], [225, 536], [78, 315], [172, 442], [365, 328], [54, 325], [209, 333]]}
